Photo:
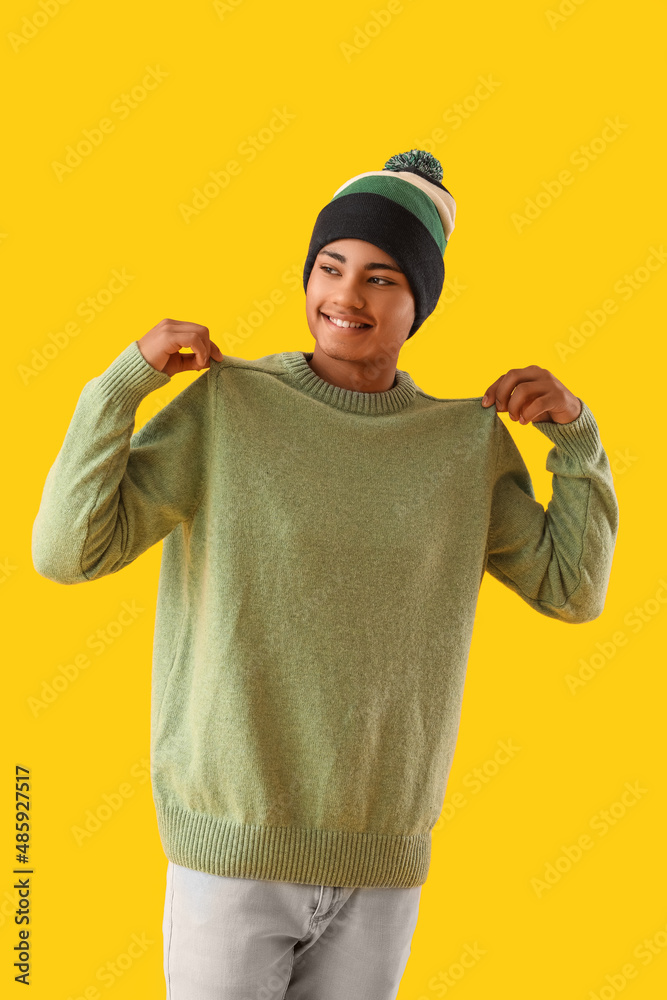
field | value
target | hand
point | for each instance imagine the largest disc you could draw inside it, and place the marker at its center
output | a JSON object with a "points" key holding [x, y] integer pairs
{"points": [[161, 346], [533, 394]]}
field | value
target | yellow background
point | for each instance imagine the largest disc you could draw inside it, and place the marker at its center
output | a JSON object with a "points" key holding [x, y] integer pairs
{"points": [[520, 291]]}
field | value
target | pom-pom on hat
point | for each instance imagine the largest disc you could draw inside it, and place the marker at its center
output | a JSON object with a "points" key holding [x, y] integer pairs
{"points": [[406, 211]]}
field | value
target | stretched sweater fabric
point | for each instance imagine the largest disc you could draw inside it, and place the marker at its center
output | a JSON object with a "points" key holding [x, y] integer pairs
{"points": [[322, 558]]}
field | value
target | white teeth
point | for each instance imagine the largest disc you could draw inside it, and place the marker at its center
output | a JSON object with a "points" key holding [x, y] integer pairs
{"points": [[344, 323]]}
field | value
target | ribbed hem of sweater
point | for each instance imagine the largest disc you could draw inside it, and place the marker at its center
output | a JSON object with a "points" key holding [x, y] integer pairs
{"points": [[304, 378], [289, 854]]}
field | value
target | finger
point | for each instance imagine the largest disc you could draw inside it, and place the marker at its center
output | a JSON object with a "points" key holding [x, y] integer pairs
{"points": [[525, 393], [489, 396], [538, 408], [216, 352], [199, 346], [202, 349], [183, 332], [511, 379], [180, 335], [197, 359], [499, 391], [186, 362], [535, 411]]}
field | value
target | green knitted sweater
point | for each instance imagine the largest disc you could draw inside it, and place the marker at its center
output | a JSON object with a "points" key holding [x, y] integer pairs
{"points": [[322, 558]]}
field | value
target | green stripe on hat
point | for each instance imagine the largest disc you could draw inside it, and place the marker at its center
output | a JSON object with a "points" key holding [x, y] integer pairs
{"points": [[404, 194]]}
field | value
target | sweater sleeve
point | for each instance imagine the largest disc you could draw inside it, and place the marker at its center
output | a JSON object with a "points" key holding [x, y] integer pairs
{"points": [[111, 494], [558, 560]]}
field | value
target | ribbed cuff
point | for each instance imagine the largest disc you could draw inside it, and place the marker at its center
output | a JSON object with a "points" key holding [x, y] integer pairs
{"points": [[129, 378], [579, 438]]}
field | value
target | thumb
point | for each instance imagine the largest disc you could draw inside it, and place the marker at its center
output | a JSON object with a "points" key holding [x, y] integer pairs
{"points": [[180, 362], [216, 353]]}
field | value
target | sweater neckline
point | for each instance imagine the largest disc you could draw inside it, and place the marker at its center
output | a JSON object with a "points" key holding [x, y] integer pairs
{"points": [[399, 396]]}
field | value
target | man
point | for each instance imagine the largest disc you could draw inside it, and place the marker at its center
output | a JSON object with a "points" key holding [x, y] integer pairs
{"points": [[326, 528]]}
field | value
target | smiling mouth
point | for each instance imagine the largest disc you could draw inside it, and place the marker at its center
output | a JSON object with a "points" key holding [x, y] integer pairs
{"points": [[346, 329]]}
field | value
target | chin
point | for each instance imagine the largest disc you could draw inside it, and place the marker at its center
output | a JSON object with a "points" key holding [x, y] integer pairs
{"points": [[341, 350]]}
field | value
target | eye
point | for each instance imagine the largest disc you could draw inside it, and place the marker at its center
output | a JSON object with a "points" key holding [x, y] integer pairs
{"points": [[376, 277]]}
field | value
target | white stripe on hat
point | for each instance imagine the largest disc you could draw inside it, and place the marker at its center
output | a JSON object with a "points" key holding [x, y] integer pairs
{"points": [[442, 200]]}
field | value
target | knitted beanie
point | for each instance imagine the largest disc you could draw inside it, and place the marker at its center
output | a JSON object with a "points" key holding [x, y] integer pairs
{"points": [[405, 210]]}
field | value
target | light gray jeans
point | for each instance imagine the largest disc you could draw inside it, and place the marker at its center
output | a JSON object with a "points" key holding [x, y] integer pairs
{"points": [[254, 939]]}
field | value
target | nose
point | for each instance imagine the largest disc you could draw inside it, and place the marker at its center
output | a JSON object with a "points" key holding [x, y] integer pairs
{"points": [[349, 292]]}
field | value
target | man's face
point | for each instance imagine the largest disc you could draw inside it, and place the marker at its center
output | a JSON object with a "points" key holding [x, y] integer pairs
{"points": [[354, 280]]}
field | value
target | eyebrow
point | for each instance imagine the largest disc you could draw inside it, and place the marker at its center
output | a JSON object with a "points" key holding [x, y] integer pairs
{"points": [[373, 266]]}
